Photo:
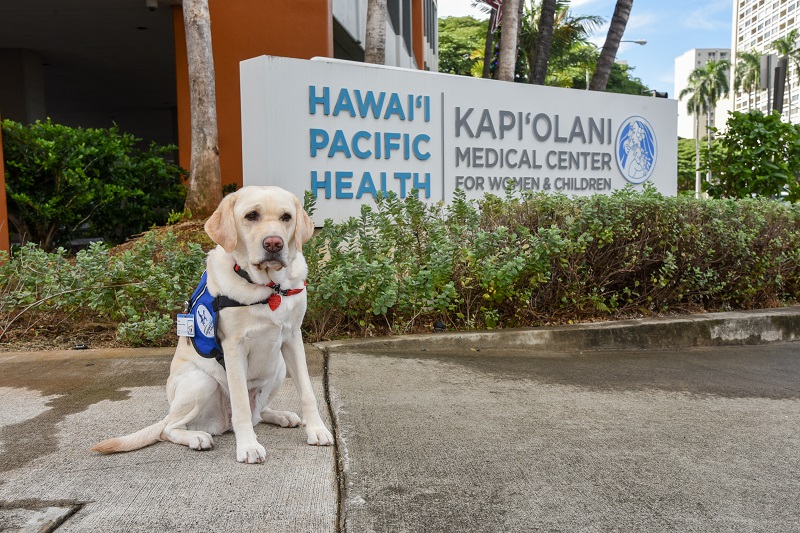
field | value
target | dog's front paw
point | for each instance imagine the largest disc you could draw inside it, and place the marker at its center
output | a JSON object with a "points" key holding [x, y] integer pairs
{"points": [[251, 454], [318, 435]]}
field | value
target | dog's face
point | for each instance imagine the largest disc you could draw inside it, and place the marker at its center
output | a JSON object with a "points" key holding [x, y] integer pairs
{"points": [[265, 225]]}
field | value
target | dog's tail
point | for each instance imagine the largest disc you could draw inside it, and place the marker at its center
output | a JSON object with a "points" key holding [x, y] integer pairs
{"points": [[134, 441]]}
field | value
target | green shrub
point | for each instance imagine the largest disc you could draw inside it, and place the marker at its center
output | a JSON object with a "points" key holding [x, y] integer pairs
{"points": [[540, 258], [403, 265], [63, 183], [140, 289], [759, 156]]}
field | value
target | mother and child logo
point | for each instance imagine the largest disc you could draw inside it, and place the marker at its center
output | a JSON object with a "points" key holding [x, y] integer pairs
{"points": [[636, 149]]}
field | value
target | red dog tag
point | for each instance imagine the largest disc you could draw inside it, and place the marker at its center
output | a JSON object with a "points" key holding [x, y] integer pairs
{"points": [[274, 301]]}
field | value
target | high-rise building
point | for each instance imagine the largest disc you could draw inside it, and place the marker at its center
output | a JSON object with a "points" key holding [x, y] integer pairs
{"points": [[756, 25], [684, 65]]}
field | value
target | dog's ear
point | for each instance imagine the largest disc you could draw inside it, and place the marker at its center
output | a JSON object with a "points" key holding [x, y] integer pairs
{"points": [[303, 228], [221, 226]]}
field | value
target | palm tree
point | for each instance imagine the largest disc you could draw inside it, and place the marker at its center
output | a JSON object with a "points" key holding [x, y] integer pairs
{"points": [[508, 40], [205, 181], [748, 74], [488, 50], [785, 46], [567, 66], [695, 106], [543, 42], [605, 63], [375, 40], [569, 33], [706, 86]]}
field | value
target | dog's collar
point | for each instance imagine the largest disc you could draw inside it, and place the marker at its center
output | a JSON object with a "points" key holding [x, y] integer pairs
{"points": [[274, 299]]}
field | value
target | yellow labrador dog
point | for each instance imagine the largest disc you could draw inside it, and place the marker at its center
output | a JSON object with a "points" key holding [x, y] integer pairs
{"points": [[259, 269]]}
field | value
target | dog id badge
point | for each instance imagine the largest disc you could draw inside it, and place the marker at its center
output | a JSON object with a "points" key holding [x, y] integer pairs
{"points": [[185, 325]]}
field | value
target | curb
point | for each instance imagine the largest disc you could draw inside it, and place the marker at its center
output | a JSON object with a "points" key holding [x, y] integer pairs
{"points": [[736, 328]]}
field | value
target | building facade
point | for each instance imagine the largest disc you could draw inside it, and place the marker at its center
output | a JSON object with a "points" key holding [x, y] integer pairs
{"points": [[95, 63], [756, 25], [684, 65]]}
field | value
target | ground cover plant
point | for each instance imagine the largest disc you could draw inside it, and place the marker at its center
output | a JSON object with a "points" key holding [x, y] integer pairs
{"points": [[404, 265]]}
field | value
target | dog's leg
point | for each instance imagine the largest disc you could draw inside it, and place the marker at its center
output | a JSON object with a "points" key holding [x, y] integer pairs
{"points": [[295, 356], [264, 397], [248, 450], [191, 394]]}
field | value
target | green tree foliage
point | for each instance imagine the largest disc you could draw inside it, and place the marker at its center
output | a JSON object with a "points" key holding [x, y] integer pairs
{"points": [[760, 156], [63, 183], [569, 45], [686, 162], [686, 168], [748, 74], [462, 39], [707, 85], [623, 81], [459, 39]]}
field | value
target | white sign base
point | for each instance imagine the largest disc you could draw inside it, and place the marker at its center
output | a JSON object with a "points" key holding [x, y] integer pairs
{"points": [[347, 131]]}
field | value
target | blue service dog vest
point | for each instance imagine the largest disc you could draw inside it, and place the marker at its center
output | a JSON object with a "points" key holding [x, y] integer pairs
{"points": [[204, 309]]}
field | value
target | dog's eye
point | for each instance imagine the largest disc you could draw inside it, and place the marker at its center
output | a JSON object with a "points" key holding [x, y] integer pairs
{"points": [[286, 217], [251, 216]]}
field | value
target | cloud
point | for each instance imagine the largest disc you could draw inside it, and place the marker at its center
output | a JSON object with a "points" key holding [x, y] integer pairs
{"points": [[637, 23], [710, 16], [581, 3]]}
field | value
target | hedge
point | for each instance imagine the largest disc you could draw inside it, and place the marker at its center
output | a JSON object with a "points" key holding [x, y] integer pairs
{"points": [[502, 262]]}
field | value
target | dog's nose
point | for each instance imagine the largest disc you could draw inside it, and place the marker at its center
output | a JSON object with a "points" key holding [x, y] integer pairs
{"points": [[273, 244]]}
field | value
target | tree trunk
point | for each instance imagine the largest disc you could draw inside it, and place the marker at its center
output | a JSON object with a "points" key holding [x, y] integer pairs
{"points": [[205, 183], [375, 41], [615, 31], [508, 40], [698, 177], [708, 139], [544, 39], [488, 51]]}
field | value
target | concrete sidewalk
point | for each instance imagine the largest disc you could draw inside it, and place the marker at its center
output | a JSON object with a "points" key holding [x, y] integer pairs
{"points": [[695, 427], [56, 405]]}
